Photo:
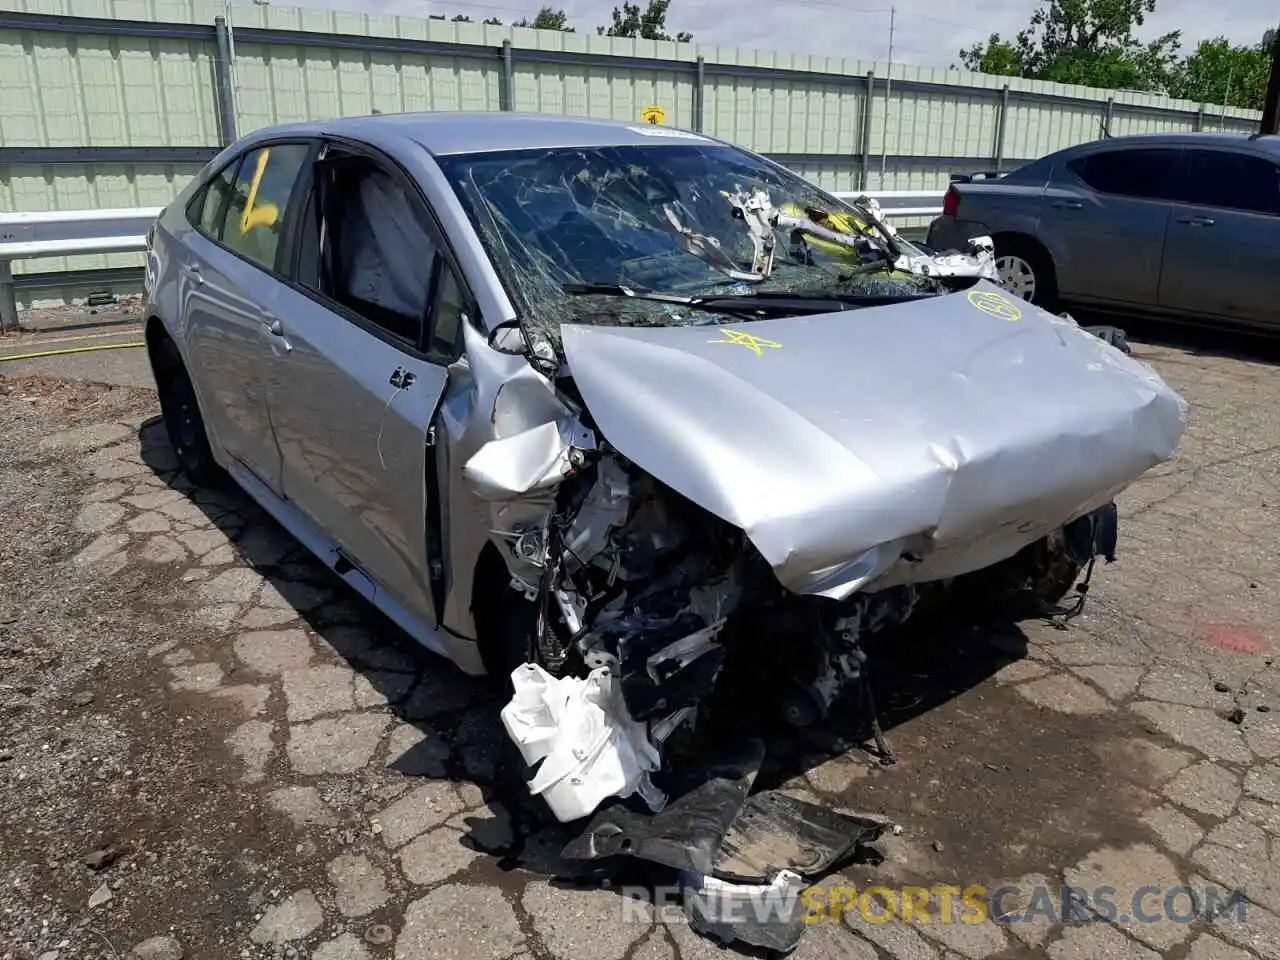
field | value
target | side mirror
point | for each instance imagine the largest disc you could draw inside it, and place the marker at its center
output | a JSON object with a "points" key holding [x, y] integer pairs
{"points": [[509, 338]]}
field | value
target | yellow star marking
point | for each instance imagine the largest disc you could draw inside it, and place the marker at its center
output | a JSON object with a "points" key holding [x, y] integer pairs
{"points": [[994, 305], [741, 338]]}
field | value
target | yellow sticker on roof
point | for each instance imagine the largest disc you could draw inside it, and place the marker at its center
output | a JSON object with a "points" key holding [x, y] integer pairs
{"points": [[994, 305]]}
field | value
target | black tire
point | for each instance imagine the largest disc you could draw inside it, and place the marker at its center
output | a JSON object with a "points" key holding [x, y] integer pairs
{"points": [[1037, 578], [1040, 264], [1057, 576], [182, 419]]}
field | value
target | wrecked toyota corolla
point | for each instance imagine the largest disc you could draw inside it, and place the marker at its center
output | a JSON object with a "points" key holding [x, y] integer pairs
{"points": [[740, 420], [694, 430]]}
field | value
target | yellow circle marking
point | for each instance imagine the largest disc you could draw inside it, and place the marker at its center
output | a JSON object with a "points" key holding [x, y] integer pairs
{"points": [[740, 338], [994, 305]]}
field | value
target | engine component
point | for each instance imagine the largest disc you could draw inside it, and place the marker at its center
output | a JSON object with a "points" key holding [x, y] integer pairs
{"points": [[840, 662], [644, 588]]}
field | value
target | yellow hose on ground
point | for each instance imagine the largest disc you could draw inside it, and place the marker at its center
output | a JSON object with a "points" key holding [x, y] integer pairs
{"points": [[69, 350], [81, 336]]}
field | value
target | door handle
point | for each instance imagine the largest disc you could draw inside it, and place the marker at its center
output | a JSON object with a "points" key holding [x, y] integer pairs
{"points": [[276, 329], [194, 271], [402, 379], [1068, 204], [1197, 221]]}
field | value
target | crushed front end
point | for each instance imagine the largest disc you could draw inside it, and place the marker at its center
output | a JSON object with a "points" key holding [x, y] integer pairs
{"points": [[770, 434]]}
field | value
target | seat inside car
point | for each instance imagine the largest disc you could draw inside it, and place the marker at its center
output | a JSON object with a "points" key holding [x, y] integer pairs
{"points": [[380, 249]]}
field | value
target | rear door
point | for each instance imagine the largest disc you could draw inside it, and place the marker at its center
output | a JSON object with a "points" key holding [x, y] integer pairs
{"points": [[229, 286], [367, 327], [1223, 247], [1104, 217]]}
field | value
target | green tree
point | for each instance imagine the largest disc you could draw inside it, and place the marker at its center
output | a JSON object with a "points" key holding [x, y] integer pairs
{"points": [[1218, 72], [1089, 42], [463, 18], [649, 24], [548, 18], [996, 56]]}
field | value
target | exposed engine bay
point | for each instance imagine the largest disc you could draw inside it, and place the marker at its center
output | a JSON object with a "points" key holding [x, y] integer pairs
{"points": [[647, 596], [633, 611]]}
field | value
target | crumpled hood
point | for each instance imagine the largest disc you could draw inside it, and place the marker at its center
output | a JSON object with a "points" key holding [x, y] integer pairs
{"points": [[955, 429]]}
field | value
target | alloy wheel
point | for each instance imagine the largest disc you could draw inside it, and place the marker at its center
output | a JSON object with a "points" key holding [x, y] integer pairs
{"points": [[1017, 276]]}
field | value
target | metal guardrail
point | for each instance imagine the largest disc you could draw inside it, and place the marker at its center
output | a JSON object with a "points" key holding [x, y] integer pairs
{"points": [[901, 203], [64, 233]]}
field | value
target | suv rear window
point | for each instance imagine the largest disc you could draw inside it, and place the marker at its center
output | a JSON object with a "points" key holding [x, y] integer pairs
{"points": [[1148, 174]]}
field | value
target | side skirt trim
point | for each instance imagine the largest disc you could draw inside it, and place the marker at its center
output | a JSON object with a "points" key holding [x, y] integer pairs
{"points": [[464, 653]]}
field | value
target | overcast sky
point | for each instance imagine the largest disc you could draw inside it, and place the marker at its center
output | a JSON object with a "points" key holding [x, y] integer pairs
{"points": [[928, 33]]}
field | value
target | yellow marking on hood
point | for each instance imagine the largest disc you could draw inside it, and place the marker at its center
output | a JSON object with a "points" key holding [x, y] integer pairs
{"points": [[994, 305], [740, 338]]}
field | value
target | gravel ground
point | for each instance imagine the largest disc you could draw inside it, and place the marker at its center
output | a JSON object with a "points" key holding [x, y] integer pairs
{"points": [[209, 748]]}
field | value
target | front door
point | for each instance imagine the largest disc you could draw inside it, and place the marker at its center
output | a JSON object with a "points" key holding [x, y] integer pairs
{"points": [[1108, 211], [228, 290], [1223, 242], [357, 384]]}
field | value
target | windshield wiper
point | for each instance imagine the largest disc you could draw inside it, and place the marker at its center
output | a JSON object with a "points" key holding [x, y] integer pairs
{"points": [[752, 306]]}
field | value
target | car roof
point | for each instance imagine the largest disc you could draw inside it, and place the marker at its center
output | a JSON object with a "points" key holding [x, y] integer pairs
{"points": [[1270, 143], [453, 133]]}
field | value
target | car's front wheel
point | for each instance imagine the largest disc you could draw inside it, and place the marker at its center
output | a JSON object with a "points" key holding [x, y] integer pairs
{"points": [[181, 412], [1036, 579]]}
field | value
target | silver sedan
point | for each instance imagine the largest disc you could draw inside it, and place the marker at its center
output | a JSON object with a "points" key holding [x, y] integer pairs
{"points": [[620, 398]]}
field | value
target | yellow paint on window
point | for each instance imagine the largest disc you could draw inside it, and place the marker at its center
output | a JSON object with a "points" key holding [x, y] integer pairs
{"points": [[258, 214]]}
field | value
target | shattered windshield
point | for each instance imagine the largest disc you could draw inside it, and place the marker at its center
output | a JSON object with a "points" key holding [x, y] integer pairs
{"points": [[691, 219]]}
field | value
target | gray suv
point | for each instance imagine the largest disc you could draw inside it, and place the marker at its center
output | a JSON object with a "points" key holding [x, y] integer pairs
{"points": [[1180, 225]]}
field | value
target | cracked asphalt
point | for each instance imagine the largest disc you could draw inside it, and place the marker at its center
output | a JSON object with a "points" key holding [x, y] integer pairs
{"points": [[209, 748]]}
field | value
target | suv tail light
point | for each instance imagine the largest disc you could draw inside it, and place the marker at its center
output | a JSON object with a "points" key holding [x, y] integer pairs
{"points": [[951, 202]]}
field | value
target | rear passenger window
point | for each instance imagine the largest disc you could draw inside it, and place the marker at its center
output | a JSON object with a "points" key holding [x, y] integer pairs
{"points": [[1146, 174], [207, 208], [1235, 181], [255, 215]]}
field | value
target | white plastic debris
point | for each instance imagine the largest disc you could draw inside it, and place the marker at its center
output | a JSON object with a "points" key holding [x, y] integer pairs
{"points": [[579, 732]]}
